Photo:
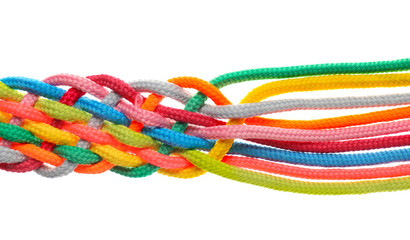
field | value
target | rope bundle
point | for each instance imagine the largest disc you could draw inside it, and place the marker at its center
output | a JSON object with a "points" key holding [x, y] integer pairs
{"points": [[102, 123]]}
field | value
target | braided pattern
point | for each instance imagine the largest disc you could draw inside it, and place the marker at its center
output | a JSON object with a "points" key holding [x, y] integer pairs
{"points": [[102, 123]]}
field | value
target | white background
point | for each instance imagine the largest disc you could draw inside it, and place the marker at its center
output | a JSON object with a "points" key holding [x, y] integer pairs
{"points": [[165, 39]]}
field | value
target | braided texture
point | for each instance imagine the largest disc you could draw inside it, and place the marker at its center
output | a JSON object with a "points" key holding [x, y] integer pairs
{"points": [[102, 123]]}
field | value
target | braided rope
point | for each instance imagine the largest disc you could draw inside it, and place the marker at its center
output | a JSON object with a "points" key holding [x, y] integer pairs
{"points": [[89, 129]]}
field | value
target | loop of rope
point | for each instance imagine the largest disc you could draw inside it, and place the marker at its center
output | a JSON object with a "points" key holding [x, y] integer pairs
{"points": [[102, 123]]}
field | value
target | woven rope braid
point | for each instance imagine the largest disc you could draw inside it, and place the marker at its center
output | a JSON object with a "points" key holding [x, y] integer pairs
{"points": [[102, 123]]}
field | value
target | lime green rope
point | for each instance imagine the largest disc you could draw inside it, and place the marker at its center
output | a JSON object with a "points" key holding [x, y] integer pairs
{"points": [[9, 94], [129, 137], [210, 164], [62, 111]]}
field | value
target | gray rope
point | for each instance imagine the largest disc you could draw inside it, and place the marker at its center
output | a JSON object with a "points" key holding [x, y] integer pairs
{"points": [[8, 155], [257, 109], [266, 107]]}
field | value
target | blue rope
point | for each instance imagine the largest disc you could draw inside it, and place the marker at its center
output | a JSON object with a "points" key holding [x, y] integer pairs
{"points": [[182, 140]]}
